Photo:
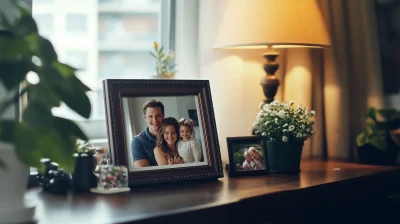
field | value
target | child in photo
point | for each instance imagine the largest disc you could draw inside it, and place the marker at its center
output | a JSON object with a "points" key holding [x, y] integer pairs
{"points": [[248, 163], [257, 157], [188, 148]]}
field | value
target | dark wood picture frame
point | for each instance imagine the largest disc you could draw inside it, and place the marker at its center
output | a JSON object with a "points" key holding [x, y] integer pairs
{"points": [[116, 89], [232, 166]]}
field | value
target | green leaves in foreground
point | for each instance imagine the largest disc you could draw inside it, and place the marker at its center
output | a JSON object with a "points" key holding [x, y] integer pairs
{"points": [[378, 141], [54, 140], [40, 134]]}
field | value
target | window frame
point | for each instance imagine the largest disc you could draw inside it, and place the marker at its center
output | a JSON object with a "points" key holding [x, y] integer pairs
{"points": [[95, 128]]}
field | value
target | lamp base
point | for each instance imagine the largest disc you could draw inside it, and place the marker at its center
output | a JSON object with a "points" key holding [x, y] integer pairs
{"points": [[270, 82]]}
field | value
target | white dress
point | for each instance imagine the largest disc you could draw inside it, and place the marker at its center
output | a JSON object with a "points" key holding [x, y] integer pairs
{"points": [[190, 151]]}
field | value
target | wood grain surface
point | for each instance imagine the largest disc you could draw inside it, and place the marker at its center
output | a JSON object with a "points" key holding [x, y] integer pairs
{"points": [[201, 199]]}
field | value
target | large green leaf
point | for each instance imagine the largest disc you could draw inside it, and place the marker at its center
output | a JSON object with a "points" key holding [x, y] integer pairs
{"points": [[69, 128], [47, 52], [44, 93], [31, 146], [57, 148], [13, 72], [371, 114], [64, 69], [42, 48], [77, 100], [361, 139], [25, 24], [78, 84], [25, 143], [70, 90], [11, 48], [379, 142], [7, 128], [38, 115]]}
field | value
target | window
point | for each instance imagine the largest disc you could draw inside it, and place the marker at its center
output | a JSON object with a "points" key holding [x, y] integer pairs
{"points": [[76, 23], [104, 39]]}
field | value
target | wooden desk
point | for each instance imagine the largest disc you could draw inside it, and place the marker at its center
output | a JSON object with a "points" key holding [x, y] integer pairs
{"points": [[332, 189]]}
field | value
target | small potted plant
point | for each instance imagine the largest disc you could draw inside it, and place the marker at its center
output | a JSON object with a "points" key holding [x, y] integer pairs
{"points": [[375, 145], [285, 128], [165, 67], [83, 177]]}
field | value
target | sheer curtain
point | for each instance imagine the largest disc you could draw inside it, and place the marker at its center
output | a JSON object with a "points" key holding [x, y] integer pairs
{"points": [[339, 83]]}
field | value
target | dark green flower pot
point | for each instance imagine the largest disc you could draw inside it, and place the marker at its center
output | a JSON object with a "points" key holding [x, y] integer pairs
{"points": [[284, 157]]}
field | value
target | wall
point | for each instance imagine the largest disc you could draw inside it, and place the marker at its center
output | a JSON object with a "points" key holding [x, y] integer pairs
{"points": [[234, 78]]}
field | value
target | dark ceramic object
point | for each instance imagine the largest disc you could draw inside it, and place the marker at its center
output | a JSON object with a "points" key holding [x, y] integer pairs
{"points": [[284, 157], [83, 177]]}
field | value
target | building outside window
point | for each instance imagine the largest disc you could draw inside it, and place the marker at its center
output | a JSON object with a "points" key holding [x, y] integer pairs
{"points": [[103, 39]]}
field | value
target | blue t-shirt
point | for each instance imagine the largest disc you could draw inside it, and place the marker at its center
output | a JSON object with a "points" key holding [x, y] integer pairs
{"points": [[142, 147]]}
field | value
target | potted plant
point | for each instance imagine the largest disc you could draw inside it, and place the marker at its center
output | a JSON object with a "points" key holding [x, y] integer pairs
{"points": [[39, 134], [83, 176], [165, 67], [286, 128], [375, 145]]}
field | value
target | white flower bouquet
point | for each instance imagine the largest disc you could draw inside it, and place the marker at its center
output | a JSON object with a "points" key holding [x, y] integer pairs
{"points": [[283, 122]]}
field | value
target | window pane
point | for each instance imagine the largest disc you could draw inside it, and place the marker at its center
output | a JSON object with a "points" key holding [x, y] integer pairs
{"points": [[46, 23], [76, 23], [102, 38], [77, 59], [42, 1], [125, 27], [125, 65]]}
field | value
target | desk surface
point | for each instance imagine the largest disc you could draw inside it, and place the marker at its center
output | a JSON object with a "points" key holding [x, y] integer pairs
{"points": [[168, 199]]}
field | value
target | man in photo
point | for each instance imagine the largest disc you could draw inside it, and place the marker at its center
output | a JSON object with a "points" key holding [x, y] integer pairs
{"points": [[143, 144]]}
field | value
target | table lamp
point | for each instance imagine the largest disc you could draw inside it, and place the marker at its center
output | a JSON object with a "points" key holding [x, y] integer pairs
{"points": [[271, 24]]}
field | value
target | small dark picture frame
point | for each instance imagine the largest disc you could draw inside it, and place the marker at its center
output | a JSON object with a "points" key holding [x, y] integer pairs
{"points": [[247, 156]]}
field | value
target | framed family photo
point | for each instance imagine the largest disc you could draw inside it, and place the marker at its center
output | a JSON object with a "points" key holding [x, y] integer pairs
{"points": [[247, 156], [152, 129]]}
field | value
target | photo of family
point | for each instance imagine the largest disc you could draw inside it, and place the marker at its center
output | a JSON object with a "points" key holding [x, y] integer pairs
{"points": [[160, 134], [248, 157]]}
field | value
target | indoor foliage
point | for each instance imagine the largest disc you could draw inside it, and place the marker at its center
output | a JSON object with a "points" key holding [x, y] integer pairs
{"points": [[283, 122], [40, 134], [164, 62], [378, 130]]}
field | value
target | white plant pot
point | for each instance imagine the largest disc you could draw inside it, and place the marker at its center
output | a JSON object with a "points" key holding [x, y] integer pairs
{"points": [[14, 180]]}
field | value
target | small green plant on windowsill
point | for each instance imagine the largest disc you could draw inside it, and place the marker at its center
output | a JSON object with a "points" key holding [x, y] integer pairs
{"points": [[164, 62]]}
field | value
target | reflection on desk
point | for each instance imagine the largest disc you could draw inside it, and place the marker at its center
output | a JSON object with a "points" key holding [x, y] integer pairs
{"points": [[317, 190]]}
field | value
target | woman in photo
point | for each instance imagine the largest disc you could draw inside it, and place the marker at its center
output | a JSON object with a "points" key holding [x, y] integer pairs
{"points": [[258, 158], [166, 152], [248, 163]]}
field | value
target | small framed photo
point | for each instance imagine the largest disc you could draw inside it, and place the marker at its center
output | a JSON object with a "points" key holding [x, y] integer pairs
{"points": [[247, 156]]}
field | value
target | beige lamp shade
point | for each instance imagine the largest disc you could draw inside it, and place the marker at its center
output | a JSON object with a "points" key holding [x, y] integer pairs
{"points": [[277, 23]]}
